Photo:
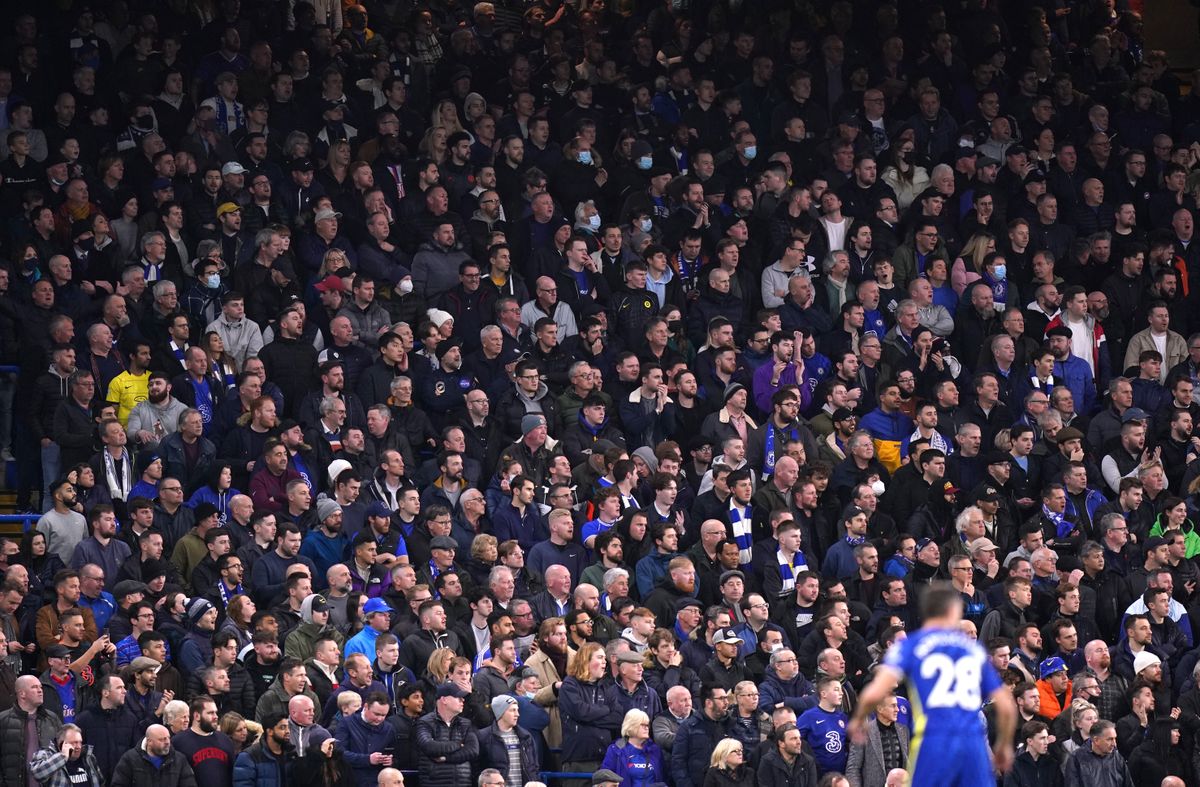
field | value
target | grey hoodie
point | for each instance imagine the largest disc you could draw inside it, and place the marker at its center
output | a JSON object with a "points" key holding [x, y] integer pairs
{"points": [[158, 420]]}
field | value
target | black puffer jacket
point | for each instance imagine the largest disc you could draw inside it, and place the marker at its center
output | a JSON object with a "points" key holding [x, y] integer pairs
{"points": [[456, 742], [13, 766]]}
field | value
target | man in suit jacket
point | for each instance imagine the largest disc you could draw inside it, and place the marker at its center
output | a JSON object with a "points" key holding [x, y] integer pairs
{"points": [[886, 748]]}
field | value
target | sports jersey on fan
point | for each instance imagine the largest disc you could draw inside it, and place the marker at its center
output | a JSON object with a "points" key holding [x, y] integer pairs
{"points": [[825, 732]]}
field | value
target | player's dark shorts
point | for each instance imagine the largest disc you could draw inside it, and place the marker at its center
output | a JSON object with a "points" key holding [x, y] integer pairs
{"points": [[949, 760]]}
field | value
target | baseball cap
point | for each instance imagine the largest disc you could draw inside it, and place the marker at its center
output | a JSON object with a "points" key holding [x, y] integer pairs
{"points": [[451, 690], [227, 207], [331, 283], [378, 509], [1134, 414], [376, 605], [233, 168], [983, 542], [727, 636], [326, 213]]}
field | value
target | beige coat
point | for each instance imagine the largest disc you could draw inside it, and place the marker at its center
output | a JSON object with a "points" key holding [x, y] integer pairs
{"points": [[547, 697], [1176, 353]]}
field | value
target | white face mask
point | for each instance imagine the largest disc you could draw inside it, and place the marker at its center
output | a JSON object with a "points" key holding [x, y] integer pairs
{"points": [[594, 221], [878, 488], [406, 286], [647, 225]]}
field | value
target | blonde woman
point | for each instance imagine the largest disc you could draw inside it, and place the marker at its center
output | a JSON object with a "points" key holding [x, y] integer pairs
{"points": [[445, 116], [485, 551], [437, 670], [433, 145], [589, 721], [969, 265], [727, 767], [634, 756], [337, 167], [233, 724], [1083, 716]]}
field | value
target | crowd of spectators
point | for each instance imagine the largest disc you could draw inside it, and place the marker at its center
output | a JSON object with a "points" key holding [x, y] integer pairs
{"points": [[465, 393]]}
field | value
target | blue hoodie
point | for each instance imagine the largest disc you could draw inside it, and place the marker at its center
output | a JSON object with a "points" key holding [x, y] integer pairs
{"points": [[636, 767]]}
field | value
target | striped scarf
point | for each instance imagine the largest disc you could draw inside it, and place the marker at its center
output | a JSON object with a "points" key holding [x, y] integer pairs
{"points": [[769, 446], [739, 519], [787, 569], [178, 351]]}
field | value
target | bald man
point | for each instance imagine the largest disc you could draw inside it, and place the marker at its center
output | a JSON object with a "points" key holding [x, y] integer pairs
{"points": [[135, 768], [302, 727], [29, 697], [390, 777]]}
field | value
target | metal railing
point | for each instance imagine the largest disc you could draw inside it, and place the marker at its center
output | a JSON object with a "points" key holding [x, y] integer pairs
{"points": [[26, 521]]}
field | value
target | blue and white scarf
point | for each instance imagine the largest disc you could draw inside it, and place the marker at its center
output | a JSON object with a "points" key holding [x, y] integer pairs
{"points": [[1061, 526], [225, 594], [787, 569], [769, 447], [739, 519], [178, 352]]}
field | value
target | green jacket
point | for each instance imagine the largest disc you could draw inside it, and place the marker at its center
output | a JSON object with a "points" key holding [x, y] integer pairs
{"points": [[301, 642], [1190, 537]]}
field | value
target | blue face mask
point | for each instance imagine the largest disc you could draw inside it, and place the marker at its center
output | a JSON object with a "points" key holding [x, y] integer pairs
{"points": [[594, 221], [750, 152], [1000, 271], [213, 281], [647, 225], [645, 162], [585, 157]]}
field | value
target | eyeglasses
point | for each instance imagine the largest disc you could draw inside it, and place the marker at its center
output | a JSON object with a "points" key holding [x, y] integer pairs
{"points": [[170, 489]]}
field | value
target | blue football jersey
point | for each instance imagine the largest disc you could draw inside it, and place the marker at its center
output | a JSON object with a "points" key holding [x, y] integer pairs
{"points": [[948, 677]]}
